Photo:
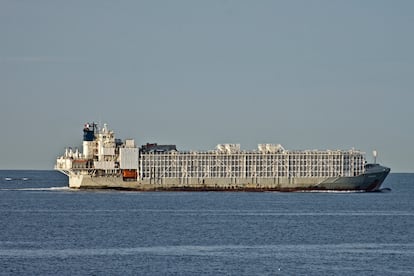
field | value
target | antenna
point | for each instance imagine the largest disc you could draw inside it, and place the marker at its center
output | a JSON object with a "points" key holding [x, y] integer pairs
{"points": [[375, 154]]}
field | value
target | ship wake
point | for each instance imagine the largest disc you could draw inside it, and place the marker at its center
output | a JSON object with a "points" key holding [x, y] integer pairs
{"points": [[64, 188]]}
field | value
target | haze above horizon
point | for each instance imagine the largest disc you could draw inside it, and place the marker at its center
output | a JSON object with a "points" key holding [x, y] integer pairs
{"points": [[305, 74]]}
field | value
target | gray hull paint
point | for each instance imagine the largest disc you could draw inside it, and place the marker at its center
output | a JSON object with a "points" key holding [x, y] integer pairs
{"points": [[369, 181]]}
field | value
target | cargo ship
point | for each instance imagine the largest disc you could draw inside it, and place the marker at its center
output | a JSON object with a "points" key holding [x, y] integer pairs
{"points": [[110, 163]]}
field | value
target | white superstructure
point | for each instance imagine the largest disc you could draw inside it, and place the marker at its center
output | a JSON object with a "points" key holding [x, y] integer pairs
{"points": [[234, 163], [102, 154]]}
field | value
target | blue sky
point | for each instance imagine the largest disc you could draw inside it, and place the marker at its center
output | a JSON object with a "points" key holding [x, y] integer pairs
{"points": [[305, 74]]}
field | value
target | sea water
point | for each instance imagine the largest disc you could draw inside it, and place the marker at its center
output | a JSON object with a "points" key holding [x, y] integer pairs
{"points": [[49, 229]]}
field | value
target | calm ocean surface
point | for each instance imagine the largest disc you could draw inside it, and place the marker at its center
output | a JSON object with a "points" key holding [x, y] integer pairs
{"points": [[47, 229]]}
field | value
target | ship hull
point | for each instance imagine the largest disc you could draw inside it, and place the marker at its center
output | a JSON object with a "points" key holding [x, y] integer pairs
{"points": [[365, 182]]}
